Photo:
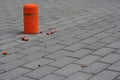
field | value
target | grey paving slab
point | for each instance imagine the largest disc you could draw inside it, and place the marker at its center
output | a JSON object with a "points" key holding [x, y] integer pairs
{"points": [[13, 50], [118, 77], [53, 48], [62, 62], [95, 68], [68, 70], [10, 75], [108, 39], [8, 35], [102, 35], [105, 75], [10, 58], [116, 34], [115, 66], [12, 65], [25, 45], [8, 45], [90, 40], [80, 53], [96, 45], [4, 41], [118, 51], [34, 64], [50, 43], [112, 30], [111, 58], [78, 31], [85, 35], [79, 76], [1, 71], [45, 38], [58, 54], [31, 50], [103, 51], [23, 78], [34, 56], [65, 37], [53, 77], [69, 41], [75, 47], [87, 60], [41, 72], [114, 44]]}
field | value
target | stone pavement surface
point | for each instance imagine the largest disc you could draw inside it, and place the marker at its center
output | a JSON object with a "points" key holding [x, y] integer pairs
{"points": [[89, 34]]}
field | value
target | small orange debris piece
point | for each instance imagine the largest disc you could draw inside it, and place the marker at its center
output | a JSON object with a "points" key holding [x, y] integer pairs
{"points": [[48, 33], [83, 65], [52, 32], [4, 53], [25, 39], [22, 37]]}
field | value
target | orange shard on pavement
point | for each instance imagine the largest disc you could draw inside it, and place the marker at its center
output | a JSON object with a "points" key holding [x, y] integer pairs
{"points": [[4, 53], [22, 37], [48, 33], [83, 65], [26, 39]]}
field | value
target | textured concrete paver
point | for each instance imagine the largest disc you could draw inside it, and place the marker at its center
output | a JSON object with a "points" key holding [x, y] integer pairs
{"points": [[41, 72], [103, 51], [9, 45], [23, 78], [75, 47], [115, 66], [95, 68], [10, 58], [79, 76], [31, 50], [53, 77], [34, 56], [105, 75], [12, 65], [88, 59], [88, 34], [115, 44], [81, 53], [110, 58], [63, 62], [68, 70], [90, 40], [58, 54], [96, 45], [10, 75], [34, 64]]}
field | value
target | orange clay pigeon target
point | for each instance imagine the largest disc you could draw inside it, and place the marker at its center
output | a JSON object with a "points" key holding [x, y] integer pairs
{"points": [[30, 18]]}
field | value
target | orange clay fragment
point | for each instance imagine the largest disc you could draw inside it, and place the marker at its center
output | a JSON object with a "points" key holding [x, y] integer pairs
{"points": [[83, 65], [25, 39], [48, 33], [22, 37], [4, 53]]}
